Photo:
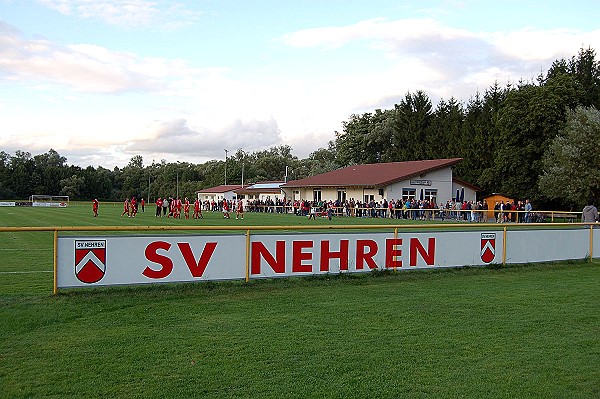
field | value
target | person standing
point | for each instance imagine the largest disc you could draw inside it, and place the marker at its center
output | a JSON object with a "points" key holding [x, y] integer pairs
{"points": [[484, 214], [186, 208], [95, 207], [126, 208], [225, 209], [312, 213], [178, 206], [143, 204], [159, 204], [528, 208], [239, 211], [197, 210], [165, 206], [134, 206], [590, 212]]}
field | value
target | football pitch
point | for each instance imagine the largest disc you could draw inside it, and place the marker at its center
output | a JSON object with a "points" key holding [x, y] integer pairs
{"points": [[496, 332]]}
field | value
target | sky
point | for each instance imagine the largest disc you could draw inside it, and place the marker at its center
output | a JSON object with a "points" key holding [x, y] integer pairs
{"points": [[101, 81]]}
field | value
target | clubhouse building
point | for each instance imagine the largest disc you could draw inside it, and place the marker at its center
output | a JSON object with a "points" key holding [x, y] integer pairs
{"points": [[430, 180]]}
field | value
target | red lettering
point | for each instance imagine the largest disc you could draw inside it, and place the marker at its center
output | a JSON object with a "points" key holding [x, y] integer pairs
{"points": [[153, 256], [327, 255], [298, 256], [363, 256], [428, 256], [391, 253], [197, 268], [259, 251]]}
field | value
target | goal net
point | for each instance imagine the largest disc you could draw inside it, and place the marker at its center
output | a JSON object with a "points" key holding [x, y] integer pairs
{"points": [[56, 201]]}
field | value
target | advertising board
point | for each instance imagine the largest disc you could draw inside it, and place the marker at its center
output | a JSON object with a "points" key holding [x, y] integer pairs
{"points": [[115, 260]]}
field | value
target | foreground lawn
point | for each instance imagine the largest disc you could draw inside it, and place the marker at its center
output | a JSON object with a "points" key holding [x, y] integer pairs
{"points": [[528, 331]]}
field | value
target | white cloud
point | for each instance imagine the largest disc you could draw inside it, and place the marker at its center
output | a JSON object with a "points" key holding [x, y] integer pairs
{"points": [[130, 13], [456, 54], [89, 68], [176, 137]]}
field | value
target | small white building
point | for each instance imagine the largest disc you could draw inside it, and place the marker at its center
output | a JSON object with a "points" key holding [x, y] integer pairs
{"points": [[262, 191], [218, 193]]}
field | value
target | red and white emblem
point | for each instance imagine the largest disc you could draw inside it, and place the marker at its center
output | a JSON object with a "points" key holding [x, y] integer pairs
{"points": [[90, 260], [488, 247]]}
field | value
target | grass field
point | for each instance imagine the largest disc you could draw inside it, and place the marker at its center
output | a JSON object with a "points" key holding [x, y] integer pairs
{"points": [[514, 332]]}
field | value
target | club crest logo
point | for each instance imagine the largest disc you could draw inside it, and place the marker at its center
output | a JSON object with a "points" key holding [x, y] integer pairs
{"points": [[90, 260], [488, 247]]}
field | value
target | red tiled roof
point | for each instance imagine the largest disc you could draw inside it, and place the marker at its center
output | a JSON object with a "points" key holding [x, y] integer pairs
{"points": [[373, 175], [221, 189]]}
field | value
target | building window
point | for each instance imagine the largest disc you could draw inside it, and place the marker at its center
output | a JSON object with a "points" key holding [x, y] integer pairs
{"points": [[409, 194], [317, 194], [369, 198], [431, 195], [341, 195]]}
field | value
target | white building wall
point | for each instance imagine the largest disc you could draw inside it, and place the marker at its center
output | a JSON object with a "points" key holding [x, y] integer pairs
{"points": [[439, 180], [229, 195], [470, 194]]}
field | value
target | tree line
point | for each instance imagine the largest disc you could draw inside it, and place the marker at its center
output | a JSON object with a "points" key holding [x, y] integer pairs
{"points": [[523, 140], [22, 175]]}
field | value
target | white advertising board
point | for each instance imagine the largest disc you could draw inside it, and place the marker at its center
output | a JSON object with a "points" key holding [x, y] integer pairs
{"points": [[7, 203], [50, 204], [525, 246], [308, 254], [596, 244], [116, 260]]}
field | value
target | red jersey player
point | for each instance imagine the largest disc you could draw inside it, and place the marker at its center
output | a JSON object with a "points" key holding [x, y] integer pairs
{"points": [[198, 210], [225, 209], [186, 208], [95, 207], [126, 208], [239, 210]]}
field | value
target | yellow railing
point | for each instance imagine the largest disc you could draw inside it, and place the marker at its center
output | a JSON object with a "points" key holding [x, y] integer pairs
{"points": [[249, 229]]}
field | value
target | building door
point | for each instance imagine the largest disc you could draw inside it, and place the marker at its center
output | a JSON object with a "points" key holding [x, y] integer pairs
{"points": [[317, 195]]}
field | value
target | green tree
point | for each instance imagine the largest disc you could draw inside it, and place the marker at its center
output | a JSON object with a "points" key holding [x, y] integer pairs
{"points": [[572, 161], [414, 116], [22, 168], [351, 144], [49, 169], [445, 137], [586, 71], [6, 191], [529, 119], [483, 122], [134, 179], [72, 186]]}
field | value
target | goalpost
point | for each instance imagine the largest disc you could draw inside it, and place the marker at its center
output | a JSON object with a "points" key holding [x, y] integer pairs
{"points": [[55, 201]]}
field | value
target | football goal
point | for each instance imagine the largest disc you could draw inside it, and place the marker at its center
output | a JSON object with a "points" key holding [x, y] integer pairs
{"points": [[56, 201]]}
